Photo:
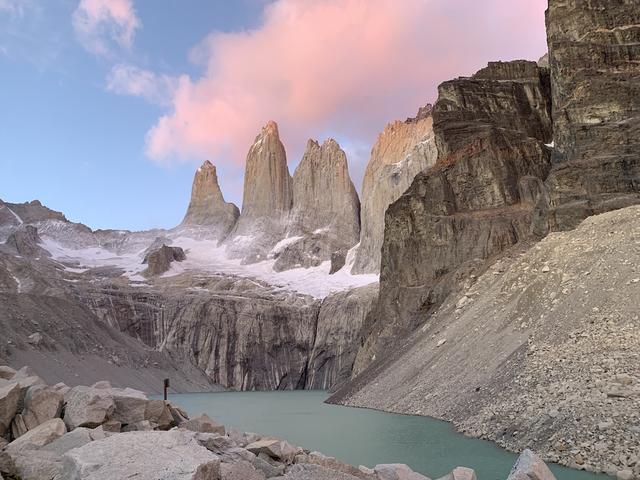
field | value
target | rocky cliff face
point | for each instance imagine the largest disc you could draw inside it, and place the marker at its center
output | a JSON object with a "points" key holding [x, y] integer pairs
{"points": [[490, 131], [267, 198], [244, 335], [594, 52], [326, 209], [401, 151], [540, 351], [207, 206]]}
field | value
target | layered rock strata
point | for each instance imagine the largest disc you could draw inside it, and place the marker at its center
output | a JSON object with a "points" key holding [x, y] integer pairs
{"points": [[326, 210], [207, 206], [474, 203], [594, 53], [401, 151]]}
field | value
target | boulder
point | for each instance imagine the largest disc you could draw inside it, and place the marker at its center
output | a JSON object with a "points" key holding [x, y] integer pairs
{"points": [[70, 440], [141, 426], [530, 467], [9, 402], [41, 403], [159, 261], [460, 473], [18, 426], [280, 450], [37, 465], [203, 424], [6, 372], [308, 471], [87, 407], [397, 471], [130, 405], [240, 471], [174, 455], [40, 436], [207, 206], [159, 412], [318, 458], [7, 464]]}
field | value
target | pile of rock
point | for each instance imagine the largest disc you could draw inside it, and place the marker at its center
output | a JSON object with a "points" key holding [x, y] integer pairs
{"points": [[102, 432]]}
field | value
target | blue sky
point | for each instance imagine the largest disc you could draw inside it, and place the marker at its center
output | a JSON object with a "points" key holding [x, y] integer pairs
{"points": [[67, 141], [107, 107]]}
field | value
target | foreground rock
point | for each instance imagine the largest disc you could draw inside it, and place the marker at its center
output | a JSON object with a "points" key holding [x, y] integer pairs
{"points": [[207, 206], [197, 449]]}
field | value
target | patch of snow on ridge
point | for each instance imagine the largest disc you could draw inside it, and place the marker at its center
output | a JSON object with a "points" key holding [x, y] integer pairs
{"points": [[17, 217], [205, 255], [282, 244]]}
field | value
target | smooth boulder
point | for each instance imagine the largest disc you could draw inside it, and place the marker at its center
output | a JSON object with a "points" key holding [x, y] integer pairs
{"points": [[397, 471], [87, 407], [203, 424], [38, 437], [173, 455], [9, 401]]}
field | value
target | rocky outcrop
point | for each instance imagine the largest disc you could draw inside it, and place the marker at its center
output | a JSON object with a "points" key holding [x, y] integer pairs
{"points": [[594, 50], [326, 209], [477, 201], [159, 261], [207, 206], [401, 151], [25, 242], [565, 310], [267, 198]]}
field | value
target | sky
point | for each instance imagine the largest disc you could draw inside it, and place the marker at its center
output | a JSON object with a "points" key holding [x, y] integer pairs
{"points": [[107, 107]]}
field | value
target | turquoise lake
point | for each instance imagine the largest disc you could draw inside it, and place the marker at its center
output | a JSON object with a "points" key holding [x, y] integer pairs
{"points": [[359, 436]]}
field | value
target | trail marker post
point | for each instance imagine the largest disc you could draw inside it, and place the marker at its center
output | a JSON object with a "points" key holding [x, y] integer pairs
{"points": [[166, 388]]}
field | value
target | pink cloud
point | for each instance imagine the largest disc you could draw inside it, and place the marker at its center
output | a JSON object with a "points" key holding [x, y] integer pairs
{"points": [[340, 67], [100, 23]]}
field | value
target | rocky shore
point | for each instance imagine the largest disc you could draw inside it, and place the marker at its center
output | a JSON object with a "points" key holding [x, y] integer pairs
{"points": [[101, 432]]}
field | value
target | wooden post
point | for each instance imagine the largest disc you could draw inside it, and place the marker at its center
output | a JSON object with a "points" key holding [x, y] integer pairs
{"points": [[166, 387]]}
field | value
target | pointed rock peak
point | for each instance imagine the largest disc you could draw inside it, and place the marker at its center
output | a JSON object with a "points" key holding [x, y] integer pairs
{"points": [[331, 144], [208, 165], [271, 128], [312, 143]]}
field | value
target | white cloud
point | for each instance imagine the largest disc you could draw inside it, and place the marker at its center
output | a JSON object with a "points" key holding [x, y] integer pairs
{"points": [[130, 80], [99, 24]]}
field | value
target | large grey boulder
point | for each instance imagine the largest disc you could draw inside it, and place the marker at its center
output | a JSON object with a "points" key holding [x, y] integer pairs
{"points": [[397, 471], [173, 455], [9, 401], [41, 403], [159, 261], [87, 407], [308, 471], [280, 450], [203, 424], [158, 412], [530, 467], [130, 405], [240, 471], [38, 437], [460, 473]]}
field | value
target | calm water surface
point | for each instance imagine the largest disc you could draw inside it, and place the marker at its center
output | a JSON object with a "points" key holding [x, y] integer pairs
{"points": [[357, 436]]}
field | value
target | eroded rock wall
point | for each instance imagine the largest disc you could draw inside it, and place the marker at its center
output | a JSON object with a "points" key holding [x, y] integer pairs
{"points": [[594, 50], [476, 201]]}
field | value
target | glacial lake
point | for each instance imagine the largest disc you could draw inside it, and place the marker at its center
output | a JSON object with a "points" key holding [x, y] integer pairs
{"points": [[359, 436]]}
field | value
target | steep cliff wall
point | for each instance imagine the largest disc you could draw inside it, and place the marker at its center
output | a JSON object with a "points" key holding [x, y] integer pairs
{"points": [[325, 217], [401, 151], [594, 50], [476, 201]]}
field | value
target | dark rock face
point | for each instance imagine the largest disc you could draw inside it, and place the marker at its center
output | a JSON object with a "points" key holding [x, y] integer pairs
{"points": [[25, 241], [594, 52], [338, 260], [160, 260], [476, 201], [207, 206]]}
